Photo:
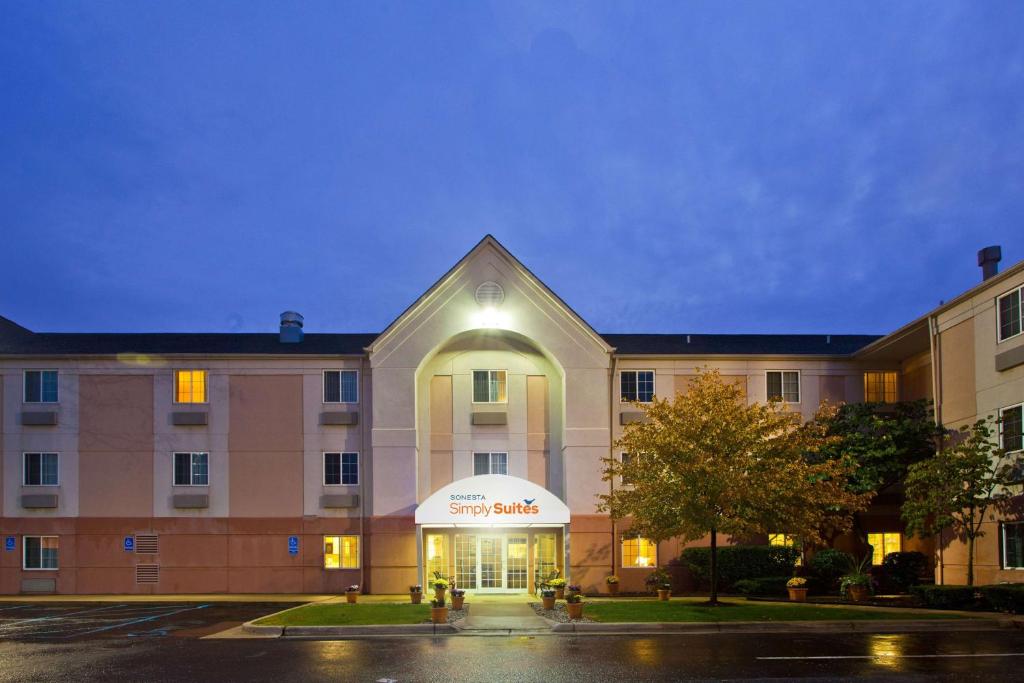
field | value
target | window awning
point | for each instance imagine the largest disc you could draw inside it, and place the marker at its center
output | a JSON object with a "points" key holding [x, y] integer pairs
{"points": [[492, 499]]}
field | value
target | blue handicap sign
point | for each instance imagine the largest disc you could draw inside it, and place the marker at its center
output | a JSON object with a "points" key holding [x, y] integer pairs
{"points": [[129, 544], [293, 545], [9, 543]]}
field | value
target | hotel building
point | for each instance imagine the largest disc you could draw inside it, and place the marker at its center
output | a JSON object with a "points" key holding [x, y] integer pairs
{"points": [[466, 438]]}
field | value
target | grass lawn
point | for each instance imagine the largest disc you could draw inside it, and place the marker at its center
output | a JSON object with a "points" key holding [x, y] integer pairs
{"points": [[344, 614], [689, 609]]}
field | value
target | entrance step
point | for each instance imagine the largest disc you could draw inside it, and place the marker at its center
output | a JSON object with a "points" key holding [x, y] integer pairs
{"points": [[505, 616]]}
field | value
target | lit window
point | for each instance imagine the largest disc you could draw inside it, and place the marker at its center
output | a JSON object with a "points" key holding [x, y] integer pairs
{"points": [[436, 550], [639, 552], [40, 552], [489, 386], [341, 386], [341, 552], [636, 385], [786, 540], [190, 386], [880, 387], [191, 469], [490, 463], [40, 469], [882, 544], [1011, 421], [40, 386], [1013, 546], [1010, 314], [783, 385], [341, 469]]}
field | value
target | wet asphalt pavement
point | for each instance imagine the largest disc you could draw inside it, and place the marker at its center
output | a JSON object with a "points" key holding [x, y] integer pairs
{"points": [[167, 648]]}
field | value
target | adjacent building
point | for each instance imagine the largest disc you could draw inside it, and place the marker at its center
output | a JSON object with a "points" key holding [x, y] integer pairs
{"points": [[466, 439]]}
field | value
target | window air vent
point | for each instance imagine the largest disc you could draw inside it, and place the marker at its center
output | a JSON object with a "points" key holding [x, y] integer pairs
{"points": [[146, 544], [490, 294], [147, 573]]}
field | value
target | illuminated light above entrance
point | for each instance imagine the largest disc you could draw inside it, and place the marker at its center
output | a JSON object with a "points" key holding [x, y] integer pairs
{"points": [[492, 500]]}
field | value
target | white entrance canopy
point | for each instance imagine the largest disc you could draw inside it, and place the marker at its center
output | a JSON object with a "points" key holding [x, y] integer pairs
{"points": [[492, 500]]}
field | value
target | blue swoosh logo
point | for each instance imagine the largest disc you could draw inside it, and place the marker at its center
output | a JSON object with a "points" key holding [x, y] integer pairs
{"points": [[529, 501]]}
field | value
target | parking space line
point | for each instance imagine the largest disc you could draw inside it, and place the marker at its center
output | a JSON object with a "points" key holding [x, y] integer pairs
{"points": [[895, 656], [23, 622], [7, 609], [138, 621]]}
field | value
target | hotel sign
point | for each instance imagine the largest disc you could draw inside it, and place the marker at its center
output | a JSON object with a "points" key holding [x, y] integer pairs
{"points": [[492, 499]]}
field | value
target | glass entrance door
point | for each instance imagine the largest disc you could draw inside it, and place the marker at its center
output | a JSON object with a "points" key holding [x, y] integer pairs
{"points": [[491, 562]]}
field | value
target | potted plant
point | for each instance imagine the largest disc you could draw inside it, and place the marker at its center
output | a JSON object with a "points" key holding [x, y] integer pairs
{"points": [[613, 584], [352, 594], [856, 583], [797, 587], [438, 612], [440, 585], [458, 597], [660, 581], [559, 586], [416, 593], [573, 589], [547, 596], [574, 606]]}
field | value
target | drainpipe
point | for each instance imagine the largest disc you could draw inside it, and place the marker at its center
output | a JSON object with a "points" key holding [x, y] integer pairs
{"points": [[936, 358], [362, 481], [611, 443]]}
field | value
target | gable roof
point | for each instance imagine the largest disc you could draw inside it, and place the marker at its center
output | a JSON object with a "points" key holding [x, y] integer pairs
{"points": [[173, 343]]}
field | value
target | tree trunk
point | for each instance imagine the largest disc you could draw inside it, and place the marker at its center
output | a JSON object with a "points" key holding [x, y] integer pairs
{"points": [[714, 567], [970, 559]]}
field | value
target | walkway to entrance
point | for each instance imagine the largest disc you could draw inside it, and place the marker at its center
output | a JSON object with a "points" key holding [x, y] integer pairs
{"points": [[502, 613]]}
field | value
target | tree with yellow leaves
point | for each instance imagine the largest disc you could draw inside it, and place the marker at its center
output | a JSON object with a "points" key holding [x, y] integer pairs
{"points": [[706, 463]]}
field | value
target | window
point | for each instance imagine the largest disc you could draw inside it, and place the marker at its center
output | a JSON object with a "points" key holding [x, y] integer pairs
{"points": [[882, 544], [636, 385], [191, 469], [879, 387], [40, 552], [783, 385], [40, 469], [1010, 432], [341, 469], [341, 552], [1010, 314], [341, 386], [190, 386], [489, 386], [490, 463], [627, 459], [40, 386], [1013, 546], [786, 540], [639, 552]]}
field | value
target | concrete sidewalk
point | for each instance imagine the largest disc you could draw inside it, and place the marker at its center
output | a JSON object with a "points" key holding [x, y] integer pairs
{"points": [[195, 597], [501, 614]]}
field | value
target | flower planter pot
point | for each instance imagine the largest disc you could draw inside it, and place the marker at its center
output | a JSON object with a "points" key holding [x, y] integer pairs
{"points": [[351, 598], [439, 593], [797, 594], [439, 615], [613, 588], [664, 594], [857, 593], [575, 610], [416, 598], [559, 594], [457, 601], [549, 603]]}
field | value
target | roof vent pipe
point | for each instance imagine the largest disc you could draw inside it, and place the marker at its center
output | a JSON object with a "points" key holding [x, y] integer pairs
{"points": [[291, 327], [988, 259]]}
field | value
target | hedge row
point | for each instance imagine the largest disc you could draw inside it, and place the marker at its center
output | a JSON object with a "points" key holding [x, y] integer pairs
{"points": [[768, 585], [739, 562], [999, 598]]}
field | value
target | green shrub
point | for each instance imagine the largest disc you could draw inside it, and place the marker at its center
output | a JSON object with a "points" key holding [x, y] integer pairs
{"points": [[740, 562], [948, 597], [1004, 598], [900, 571], [828, 566], [765, 585]]}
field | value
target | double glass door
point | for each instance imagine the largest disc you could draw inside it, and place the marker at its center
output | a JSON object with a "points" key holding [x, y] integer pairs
{"points": [[491, 562]]}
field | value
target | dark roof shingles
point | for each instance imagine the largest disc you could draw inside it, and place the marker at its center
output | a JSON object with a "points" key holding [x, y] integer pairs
{"points": [[739, 344]]}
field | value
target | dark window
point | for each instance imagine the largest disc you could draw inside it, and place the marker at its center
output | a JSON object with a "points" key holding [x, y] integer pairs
{"points": [[341, 469], [40, 386], [490, 463], [1011, 428], [191, 469], [1013, 546], [783, 386], [636, 385], [341, 386], [1010, 314], [489, 386], [41, 469], [40, 552]]}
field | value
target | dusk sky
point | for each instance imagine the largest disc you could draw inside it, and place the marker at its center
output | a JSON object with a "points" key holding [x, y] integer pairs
{"points": [[816, 167]]}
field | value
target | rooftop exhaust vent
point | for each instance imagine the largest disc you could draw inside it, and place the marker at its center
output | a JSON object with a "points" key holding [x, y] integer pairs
{"points": [[988, 259], [490, 294], [291, 327]]}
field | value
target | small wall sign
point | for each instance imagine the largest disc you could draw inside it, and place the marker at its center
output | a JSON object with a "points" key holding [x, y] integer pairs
{"points": [[293, 545], [129, 544], [9, 543]]}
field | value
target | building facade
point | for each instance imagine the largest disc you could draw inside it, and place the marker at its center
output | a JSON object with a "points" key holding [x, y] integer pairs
{"points": [[466, 439]]}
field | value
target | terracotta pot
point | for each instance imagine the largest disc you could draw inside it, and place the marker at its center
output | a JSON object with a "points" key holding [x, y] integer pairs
{"points": [[457, 601], [559, 594], [664, 594], [351, 598], [417, 598], [439, 615], [575, 610], [857, 593], [613, 588], [439, 593], [797, 594], [549, 603]]}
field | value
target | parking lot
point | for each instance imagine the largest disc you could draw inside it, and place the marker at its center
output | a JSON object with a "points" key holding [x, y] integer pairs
{"points": [[82, 620]]}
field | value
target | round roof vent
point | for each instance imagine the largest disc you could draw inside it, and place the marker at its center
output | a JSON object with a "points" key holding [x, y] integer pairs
{"points": [[490, 294]]}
